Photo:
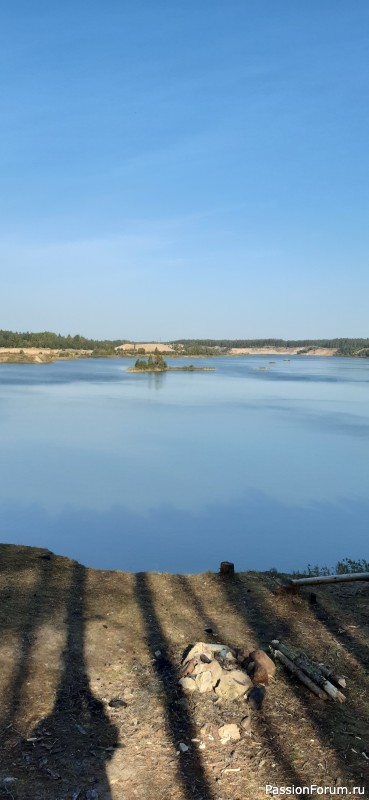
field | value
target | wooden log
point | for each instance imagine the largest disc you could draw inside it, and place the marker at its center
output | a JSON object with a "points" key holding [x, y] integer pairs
{"points": [[300, 675], [316, 580], [313, 671], [333, 692], [227, 569], [339, 680]]}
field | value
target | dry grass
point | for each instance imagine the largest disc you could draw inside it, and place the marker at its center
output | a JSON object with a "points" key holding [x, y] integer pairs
{"points": [[73, 639]]}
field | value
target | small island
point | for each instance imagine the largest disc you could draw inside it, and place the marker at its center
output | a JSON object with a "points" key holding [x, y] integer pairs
{"points": [[156, 363]]}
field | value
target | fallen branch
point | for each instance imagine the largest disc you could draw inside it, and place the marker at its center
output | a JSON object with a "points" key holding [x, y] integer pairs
{"points": [[299, 674], [339, 680], [346, 577], [313, 671]]}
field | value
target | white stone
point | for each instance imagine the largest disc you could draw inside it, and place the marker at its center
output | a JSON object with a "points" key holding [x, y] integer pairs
{"points": [[187, 684], [204, 682], [233, 684], [213, 669], [229, 733]]}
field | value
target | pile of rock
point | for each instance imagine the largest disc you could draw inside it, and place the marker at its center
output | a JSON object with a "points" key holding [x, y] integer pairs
{"points": [[229, 676], [214, 668]]}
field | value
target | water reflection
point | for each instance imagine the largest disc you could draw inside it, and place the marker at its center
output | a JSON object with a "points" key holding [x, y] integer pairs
{"points": [[159, 471], [256, 532]]}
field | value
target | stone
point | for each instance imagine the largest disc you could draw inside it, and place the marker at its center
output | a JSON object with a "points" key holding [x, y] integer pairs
{"points": [[260, 675], [209, 731], [262, 662], [116, 702], [204, 682], [213, 668], [220, 650], [189, 667], [183, 748], [246, 724], [187, 684], [204, 649], [256, 697], [229, 733], [243, 655], [200, 648], [233, 684]]}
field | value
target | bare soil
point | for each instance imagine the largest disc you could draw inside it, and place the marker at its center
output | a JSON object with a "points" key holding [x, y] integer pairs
{"points": [[89, 711]]}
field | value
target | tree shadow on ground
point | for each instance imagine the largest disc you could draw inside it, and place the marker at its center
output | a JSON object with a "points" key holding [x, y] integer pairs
{"points": [[332, 611], [329, 719], [65, 753], [182, 583], [27, 614], [180, 727]]}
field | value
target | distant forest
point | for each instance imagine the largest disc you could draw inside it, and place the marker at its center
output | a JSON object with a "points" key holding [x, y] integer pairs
{"points": [[345, 347], [56, 341]]}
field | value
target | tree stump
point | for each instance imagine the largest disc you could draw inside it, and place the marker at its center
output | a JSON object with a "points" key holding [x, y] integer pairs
{"points": [[226, 569]]}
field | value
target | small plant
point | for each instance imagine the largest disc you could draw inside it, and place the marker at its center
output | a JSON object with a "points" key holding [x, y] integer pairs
{"points": [[344, 567], [315, 571], [349, 565]]}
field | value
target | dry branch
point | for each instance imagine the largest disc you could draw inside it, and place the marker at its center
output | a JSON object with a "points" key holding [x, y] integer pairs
{"points": [[313, 671], [339, 680], [299, 674], [312, 581]]}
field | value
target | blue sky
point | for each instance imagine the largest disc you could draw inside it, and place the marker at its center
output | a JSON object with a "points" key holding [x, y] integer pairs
{"points": [[191, 169]]}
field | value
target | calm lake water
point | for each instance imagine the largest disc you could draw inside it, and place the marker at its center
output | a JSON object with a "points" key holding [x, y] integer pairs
{"points": [[177, 472]]}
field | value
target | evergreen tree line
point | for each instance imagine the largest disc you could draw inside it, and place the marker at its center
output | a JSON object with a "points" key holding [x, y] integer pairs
{"points": [[345, 347], [56, 341]]}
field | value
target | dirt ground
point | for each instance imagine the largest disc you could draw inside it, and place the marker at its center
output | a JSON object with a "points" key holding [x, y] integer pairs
{"points": [[89, 712]]}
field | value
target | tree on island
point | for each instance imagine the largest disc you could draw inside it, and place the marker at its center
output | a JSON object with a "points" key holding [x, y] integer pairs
{"points": [[157, 363]]}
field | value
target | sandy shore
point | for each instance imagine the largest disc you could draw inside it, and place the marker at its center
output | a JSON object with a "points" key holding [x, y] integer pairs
{"points": [[281, 351], [148, 347], [45, 355], [171, 369], [38, 355]]}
